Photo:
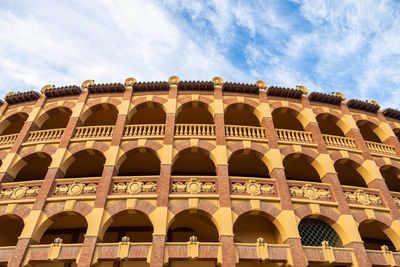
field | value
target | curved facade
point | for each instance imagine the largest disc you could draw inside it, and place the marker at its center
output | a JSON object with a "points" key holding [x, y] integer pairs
{"points": [[197, 174]]}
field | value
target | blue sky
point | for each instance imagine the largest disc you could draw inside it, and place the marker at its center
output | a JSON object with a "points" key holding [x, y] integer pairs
{"points": [[348, 46]]}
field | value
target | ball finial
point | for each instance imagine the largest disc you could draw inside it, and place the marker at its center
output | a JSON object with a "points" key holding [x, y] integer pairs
{"points": [[47, 87], [375, 103], [85, 85], [218, 81], [129, 82], [174, 80], [261, 84], [302, 88], [341, 95]]}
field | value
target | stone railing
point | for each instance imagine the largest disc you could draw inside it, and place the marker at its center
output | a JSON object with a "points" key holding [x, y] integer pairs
{"points": [[45, 135], [339, 141], [76, 187], [309, 190], [383, 257], [5, 253], [362, 196], [194, 185], [294, 136], [94, 131], [54, 251], [253, 186], [134, 185], [192, 250], [18, 190], [8, 140], [328, 254], [122, 251], [380, 148], [195, 129], [263, 251], [244, 131], [144, 130]]}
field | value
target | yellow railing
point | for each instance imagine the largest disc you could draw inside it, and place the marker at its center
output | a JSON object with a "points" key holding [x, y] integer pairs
{"points": [[45, 135], [294, 136], [144, 130], [339, 141], [380, 148], [194, 129], [6, 140], [94, 131], [244, 131]]}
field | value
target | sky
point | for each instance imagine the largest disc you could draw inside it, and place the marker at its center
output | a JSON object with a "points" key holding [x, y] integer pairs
{"points": [[327, 46]]}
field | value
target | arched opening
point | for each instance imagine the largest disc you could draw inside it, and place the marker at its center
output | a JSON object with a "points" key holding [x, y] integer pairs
{"points": [[133, 224], [193, 161], [261, 226], [10, 229], [247, 163], [86, 163], [69, 226], [347, 172], [55, 118], [140, 161], [241, 114], [392, 177], [298, 167], [397, 133], [328, 124], [286, 118], [148, 113], [101, 114], [314, 231], [194, 113], [372, 234], [13, 124], [367, 131], [192, 223], [33, 167]]}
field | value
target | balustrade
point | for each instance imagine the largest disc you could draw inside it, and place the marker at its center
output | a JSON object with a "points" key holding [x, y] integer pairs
{"points": [[8, 140], [195, 129], [362, 196], [94, 131], [54, 251], [5, 253], [383, 257], [339, 141], [244, 131], [45, 135], [380, 148], [294, 136], [108, 251], [19, 190], [144, 130], [328, 254], [134, 185], [76, 187], [311, 191], [396, 198], [195, 249], [194, 185], [263, 251], [253, 186]]}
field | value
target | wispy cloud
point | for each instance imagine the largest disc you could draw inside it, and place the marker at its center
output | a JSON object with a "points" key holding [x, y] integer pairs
{"points": [[352, 46]]}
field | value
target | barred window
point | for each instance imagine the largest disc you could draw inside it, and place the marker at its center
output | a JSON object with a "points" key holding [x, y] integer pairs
{"points": [[313, 232]]}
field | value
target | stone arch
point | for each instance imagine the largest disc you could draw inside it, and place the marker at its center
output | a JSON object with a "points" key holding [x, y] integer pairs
{"points": [[178, 209], [32, 166], [391, 174], [249, 163], [99, 114], [13, 124], [148, 158], [332, 124], [11, 227], [93, 163], [57, 117], [132, 145], [291, 117], [240, 113], [194, 112], [147, 112], [187, 161], [347, 168], [20, 211], [305, 165], [371, 132]]}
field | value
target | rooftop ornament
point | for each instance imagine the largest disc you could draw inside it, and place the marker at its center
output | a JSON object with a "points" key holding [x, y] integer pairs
{"points": [[174, 80], [261, 84], [302, 88], [339, 94], [85, 85], [46, 88], [130, 82], [218, 81]]}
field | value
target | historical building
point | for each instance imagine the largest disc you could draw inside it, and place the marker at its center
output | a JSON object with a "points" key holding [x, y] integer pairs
{"points": [[186, 173]]}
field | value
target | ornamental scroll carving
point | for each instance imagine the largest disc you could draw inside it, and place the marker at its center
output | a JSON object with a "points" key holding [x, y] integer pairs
{"points": [[359, 196], [253, 188], [309, 191], [193, 187], [397, 201], [75, 189], [19, 192], [134, 187]]}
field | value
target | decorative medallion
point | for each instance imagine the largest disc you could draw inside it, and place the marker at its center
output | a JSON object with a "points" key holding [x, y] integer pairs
{"points": [[253, 188], [134, 187], [19, 192], [193, 186], [310, 191], [361, 197], [75, 189]]}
